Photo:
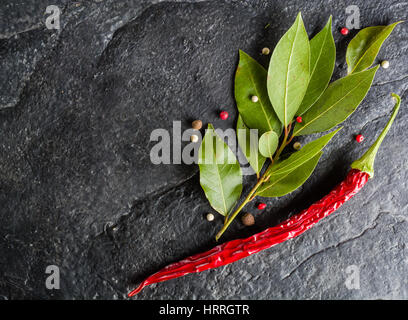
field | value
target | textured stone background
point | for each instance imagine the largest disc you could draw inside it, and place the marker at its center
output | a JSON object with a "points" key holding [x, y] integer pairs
{"points": [[78, 190]]}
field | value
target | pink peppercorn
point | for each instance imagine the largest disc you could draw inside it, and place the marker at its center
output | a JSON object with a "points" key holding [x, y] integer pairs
{"points": [[261, 206], [344, 31], [224, 115]]}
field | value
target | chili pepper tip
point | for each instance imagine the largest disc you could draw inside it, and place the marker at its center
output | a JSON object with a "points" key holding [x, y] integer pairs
{"points": [[137, 290]]}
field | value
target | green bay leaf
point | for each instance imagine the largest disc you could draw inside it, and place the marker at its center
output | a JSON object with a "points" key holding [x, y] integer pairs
{"points": [[300, 157], [250, 80], [288, 73], [338, 102], [249, 146], [220, 172], [280, 184], [268, 143], [364, 47], [322, 59]]}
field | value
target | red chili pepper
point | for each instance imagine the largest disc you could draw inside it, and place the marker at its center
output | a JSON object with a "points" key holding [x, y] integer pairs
{"points": [[234, 250]]}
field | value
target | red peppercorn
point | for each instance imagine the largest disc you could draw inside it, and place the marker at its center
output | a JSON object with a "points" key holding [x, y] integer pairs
{"points": [[359, 138], [344, 31], [224, 115], [299, 119], [261, 206]]}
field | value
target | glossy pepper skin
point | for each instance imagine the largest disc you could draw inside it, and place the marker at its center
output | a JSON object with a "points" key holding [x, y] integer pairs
{"points": [[234, 250]]}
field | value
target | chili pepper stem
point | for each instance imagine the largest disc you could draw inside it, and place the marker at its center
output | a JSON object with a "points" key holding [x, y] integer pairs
{"points": [[366, 162]]}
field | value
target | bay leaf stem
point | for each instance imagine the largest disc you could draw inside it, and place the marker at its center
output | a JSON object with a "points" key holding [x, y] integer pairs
{"points": [[252, 194], [238, 210]]}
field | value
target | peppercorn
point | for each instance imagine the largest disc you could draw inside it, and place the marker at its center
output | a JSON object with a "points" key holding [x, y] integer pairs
{"points": [[359, 138], [299, 119], [266, 51], [297, 146], [194, 138], [248, 219], [210, 217], [224, 115], [254, 98], [344, 31], [261, 206], [385, 64], [197, 124]]}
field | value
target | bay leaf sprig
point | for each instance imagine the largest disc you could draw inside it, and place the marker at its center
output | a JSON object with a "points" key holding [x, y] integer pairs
{"points": [[293, 98]]}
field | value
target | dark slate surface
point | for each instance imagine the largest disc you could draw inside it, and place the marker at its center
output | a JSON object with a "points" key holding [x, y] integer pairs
{"points": [[78, 190]]}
